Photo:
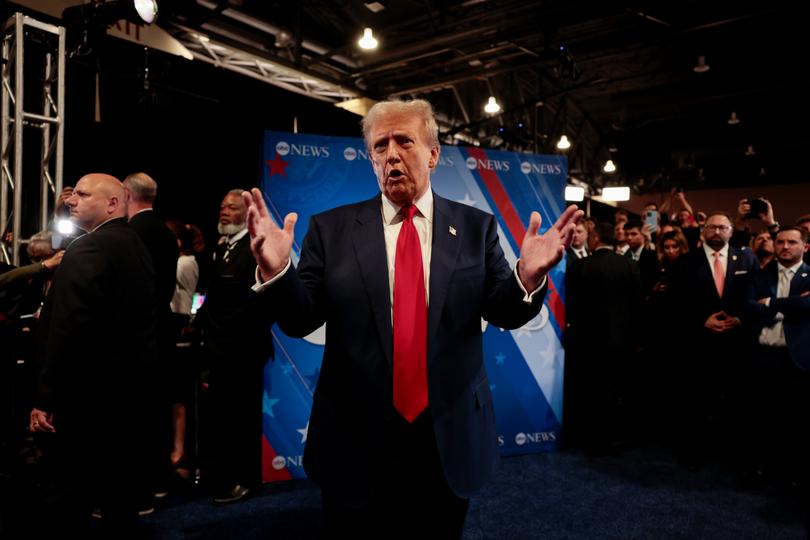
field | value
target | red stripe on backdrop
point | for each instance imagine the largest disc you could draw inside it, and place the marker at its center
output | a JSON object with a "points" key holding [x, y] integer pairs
{"points": [[270, 473], [510, 216]]}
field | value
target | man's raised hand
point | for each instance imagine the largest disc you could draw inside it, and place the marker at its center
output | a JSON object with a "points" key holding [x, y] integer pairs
{"points": [[270, 244], [539, 253]]}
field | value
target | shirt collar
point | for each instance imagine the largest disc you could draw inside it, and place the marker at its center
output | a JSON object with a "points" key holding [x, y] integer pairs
{"points": [[794, 268], [424, 204], [709, 252], [238, 236]]}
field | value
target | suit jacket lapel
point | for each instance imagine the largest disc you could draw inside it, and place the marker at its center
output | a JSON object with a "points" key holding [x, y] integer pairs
{"points": [[800, 280], [733, 263], [706, 271], [369, 247], [442, 262]]}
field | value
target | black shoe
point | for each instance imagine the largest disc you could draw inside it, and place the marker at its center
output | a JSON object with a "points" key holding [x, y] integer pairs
{"points": [[235, 494]]}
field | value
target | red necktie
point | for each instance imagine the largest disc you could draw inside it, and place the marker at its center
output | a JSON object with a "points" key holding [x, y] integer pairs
{"points": [[719, 276], [410, 323]]}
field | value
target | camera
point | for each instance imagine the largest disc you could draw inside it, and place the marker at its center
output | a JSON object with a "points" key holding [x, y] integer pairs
{"points": [[758, 208]]}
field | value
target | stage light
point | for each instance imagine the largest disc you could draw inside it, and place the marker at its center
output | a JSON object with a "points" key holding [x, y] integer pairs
{"points": [[112, 11], [733, 120], [368, 41], [563, 143], [492, 106], [65, 226], [574, 193], [750, 150], [616, 193], [609, 167]]}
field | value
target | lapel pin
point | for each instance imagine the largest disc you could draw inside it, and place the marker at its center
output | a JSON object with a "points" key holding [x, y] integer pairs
{"points": [[453, 231], [733, 257], [804, 274]]}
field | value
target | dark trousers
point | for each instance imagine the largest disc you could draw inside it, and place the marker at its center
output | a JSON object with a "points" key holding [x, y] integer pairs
{"points": [[410, 499], [235, 420], [783, 412]]}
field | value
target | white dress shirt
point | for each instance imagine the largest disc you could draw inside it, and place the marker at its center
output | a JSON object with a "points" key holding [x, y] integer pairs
{"points": [[774, 336], [723, 258], [392, 223]]}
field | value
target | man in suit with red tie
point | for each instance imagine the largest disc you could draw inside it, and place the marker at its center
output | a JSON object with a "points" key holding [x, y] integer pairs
{"points": [[402, 429], [710, 285], [778, 303]]}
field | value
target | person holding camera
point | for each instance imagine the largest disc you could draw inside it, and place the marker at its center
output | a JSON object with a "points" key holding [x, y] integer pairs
{"points": [[756, 208]]}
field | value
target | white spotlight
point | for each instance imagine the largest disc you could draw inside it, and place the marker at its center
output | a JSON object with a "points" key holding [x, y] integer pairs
{"points": [[563, 143], [368, 41], [616, 193], [574, 193], [492, 106], [65, 226]]}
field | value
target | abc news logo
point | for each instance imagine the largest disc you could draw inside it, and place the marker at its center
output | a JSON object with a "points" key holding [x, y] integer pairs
{"points": [[305, 150], [281, 462], [541, 168], [538, 437]]}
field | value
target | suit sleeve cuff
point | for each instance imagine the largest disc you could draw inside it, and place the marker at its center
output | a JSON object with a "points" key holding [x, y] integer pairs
{"points": [[527, 297], [260, 286]]}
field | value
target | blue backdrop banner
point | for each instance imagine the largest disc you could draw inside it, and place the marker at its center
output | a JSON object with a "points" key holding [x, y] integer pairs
{"points": [[308, 174]]}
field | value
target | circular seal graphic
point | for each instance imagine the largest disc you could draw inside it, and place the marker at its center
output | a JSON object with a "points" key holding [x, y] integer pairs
{"points": [[520, 439], [472, 163], [349, 153], [525, 167], [279, 462], [282, 148]]}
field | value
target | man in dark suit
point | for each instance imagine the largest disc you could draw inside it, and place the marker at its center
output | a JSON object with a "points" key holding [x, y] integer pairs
{"points": [[778, 303], [97, 356], [603, 302], [642, 251], [579, 244], [709, 284], [237, 343], [160, 242], [402, 429]]}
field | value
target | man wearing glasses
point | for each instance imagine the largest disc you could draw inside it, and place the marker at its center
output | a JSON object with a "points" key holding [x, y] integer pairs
{"points": [[711, 283]]}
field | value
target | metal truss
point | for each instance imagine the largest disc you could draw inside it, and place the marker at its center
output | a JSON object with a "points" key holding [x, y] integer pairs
{"points": [[270, 70], [13, 119]]}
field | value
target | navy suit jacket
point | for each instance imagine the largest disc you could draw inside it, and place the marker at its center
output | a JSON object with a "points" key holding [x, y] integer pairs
{"points": [[697, 295], [342, 279], [795, 308]]}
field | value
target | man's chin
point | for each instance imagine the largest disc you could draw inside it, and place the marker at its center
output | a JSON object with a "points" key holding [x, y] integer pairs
{"points": [[229, 229]]}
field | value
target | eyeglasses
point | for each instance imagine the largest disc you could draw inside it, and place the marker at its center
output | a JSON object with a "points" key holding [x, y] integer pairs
{"points": [[720, 228]]}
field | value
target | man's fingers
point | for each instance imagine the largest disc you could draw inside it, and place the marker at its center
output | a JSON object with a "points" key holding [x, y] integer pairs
{"points": [[289, 223], [535, 220], [572, 214]]}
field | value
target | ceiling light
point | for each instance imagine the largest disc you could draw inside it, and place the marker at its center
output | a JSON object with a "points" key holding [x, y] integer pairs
{"points": [[375, 7], [762, 171], [613, 148], [146, 9], [750, 150], [702, 66], [574, 193], [609, 167], [616, 193], [563, 143], [367, 42], [733, 120], [112, 11], [492, 106]]}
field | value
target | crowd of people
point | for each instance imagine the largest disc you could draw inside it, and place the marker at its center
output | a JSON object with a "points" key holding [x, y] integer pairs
{"points": [[692, 329], [685, 326]]}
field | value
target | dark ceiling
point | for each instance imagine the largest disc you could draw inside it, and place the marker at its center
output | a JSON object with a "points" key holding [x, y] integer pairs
{"points": [[618, 79]]}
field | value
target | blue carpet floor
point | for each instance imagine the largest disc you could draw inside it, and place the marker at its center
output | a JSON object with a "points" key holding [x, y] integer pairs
{"points": [[641, 493]]}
